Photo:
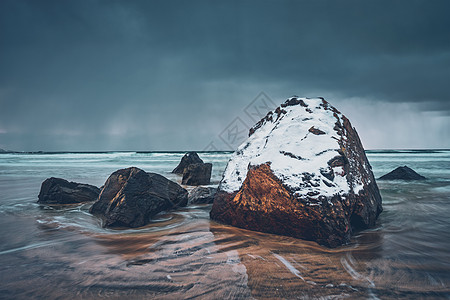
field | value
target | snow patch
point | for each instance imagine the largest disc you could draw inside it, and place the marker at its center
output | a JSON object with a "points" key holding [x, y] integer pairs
{"points": [[295, 153]]}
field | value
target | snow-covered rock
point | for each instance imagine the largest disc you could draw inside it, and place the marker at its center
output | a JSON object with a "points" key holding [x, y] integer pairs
{"points": [[302, 172]]}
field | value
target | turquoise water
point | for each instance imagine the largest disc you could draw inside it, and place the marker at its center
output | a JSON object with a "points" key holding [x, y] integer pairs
{"points": [[62, 252]]}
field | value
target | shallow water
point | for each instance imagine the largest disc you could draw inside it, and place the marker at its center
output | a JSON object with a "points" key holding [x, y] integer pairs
{"points": [[62, 252]]}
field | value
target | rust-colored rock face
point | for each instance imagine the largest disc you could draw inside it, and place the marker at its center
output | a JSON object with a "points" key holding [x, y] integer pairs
{"points": [[263, 204], [303, 172]]}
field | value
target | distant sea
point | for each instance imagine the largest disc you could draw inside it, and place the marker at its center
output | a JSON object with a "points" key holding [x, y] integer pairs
{"points": [[63, 252]]}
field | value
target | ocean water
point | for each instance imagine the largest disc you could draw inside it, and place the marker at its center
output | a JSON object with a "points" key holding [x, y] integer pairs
{"points": [[63, 253]]}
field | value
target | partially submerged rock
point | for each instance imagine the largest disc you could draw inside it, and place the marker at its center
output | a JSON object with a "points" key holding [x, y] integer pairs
{"points": [[194, 170], [60, 191], [302, 172], [131, 197], [402, 173], [202, 195], [197, 174], [189, 158]]}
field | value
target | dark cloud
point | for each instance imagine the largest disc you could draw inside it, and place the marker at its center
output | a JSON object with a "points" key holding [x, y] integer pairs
{"points": [[168, 75]]}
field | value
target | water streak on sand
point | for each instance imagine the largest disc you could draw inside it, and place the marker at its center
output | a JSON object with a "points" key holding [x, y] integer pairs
{"points": [[289, 266]]}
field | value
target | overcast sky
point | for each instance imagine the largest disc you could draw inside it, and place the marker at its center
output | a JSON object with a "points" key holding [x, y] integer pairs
{"points": [[173, 75]]}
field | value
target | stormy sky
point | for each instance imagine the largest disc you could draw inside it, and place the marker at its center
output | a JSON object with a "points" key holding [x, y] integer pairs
{"points": [[88, 75]]}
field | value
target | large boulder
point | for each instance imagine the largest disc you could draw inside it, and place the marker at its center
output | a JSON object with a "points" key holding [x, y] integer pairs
{"points": [[197, 174], [402, 173], [189, 158], [302, 172], [60, 191], [202, 195], [131, 197]]}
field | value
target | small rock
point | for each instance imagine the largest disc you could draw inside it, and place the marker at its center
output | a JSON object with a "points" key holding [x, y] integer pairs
{"points": [[188, 159], [197, 174], [60, 191], [202, 195], [402, 173]]}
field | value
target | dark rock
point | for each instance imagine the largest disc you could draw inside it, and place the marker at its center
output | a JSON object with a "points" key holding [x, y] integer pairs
{"points": [[317, 187], [60, 191], [294, 101], [328, 173], [197, 174], [188, 159], [131, 197], [402, 173], [316, 131], [202, 195], [339, 161], [290, 155]]}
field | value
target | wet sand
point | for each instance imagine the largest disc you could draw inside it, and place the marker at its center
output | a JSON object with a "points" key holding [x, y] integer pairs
{"points": [[188, 256]]}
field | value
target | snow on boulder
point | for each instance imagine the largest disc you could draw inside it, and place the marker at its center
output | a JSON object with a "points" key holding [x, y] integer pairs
{"points": [[302, 172]]}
